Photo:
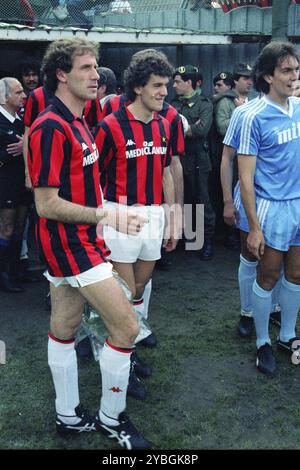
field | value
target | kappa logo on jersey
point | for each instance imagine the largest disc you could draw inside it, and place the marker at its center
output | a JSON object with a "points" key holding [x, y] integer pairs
{"points": [[89, 157], [148, 149], [129, 143]]}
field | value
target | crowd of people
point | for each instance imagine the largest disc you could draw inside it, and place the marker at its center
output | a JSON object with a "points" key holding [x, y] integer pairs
{"points": [[112, 177]]}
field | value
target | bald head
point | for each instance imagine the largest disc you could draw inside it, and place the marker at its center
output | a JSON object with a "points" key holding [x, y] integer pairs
{"points": [[11, 94]]}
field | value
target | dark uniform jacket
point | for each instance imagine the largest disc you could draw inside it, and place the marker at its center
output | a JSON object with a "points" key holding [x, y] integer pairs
{"points": [[198, 111]]}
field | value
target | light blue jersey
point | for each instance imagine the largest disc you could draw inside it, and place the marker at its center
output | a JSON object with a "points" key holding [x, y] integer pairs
{"points": [[232, 136], [272, 134]]}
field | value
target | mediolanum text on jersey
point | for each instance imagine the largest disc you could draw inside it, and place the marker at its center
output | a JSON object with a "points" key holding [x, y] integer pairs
{"points": [[148, 149]]}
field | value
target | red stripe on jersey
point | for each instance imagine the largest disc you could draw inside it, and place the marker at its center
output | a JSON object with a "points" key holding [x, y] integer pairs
{"points": [[93, 113], [57, 157], [45, 243], [141, 162], [34, 165], [66, 248], [158, 165], [113, 104], [177, 134], [121, 163], [132, 157], [63, 154]]}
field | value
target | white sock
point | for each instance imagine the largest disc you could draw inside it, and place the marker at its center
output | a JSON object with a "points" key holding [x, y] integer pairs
{"points": [[62, 361], [139, 307], [115, 368], [146, 298]]}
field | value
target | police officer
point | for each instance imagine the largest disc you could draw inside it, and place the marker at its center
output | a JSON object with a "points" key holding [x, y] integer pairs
{"points": [[198, 111]]}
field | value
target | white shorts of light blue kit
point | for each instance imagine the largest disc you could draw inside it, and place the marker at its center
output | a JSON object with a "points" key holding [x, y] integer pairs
{"points": [[146, 245], [279, 221], [96, 274]]}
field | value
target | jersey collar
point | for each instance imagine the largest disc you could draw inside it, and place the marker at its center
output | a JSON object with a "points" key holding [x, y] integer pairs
{"points": [[126, 114], [8, 115], [63, 109], [289, 112]]}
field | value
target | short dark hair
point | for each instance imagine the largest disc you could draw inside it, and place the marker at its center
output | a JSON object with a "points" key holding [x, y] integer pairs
{"points": [[271, 56], [142, 66], [107, 78], [60, 55], [29, 65]]}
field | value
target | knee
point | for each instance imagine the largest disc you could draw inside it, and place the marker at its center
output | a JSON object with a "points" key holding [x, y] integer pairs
{"points": [[267, 279], [64, 328], [292, 275], [129, 331]]}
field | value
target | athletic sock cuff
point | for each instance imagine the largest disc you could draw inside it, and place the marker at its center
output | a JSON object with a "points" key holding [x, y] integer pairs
{"points": [[116, 348], [62, 341], [248, 263], [289, 285], [260, 291]]}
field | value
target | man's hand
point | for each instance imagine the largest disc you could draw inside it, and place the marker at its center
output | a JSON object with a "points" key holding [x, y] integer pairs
{"points": [[28, 184], [229, 214], [171, 234], [125, 221], [256, 243], [239, 101], [16, 148]]}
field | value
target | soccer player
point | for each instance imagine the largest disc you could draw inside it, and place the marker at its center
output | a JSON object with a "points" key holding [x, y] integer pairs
{"points": [[63, 166], [146, 337], [134, 146], [248, 263], [269, 167]]}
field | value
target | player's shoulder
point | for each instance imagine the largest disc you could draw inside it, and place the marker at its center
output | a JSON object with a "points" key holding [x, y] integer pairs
{"points": [[48, 120]]}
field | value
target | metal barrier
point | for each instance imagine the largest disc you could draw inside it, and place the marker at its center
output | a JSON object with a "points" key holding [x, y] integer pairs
{"points": [[82, 13]]}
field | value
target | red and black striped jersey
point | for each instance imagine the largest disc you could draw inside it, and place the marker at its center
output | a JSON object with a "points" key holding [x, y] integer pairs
{"points": [[177, 135], [36, 102], [113, 104], [133, 156], [63, 154], [93, 113], [168, 112]]}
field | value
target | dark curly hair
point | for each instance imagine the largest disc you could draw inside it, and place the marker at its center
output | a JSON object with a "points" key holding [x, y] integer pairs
{"points": [[142, 65], [60, 55], [271, 56]]}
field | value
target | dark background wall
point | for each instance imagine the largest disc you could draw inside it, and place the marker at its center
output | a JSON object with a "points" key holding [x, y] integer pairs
{"points": [[211, 58]]}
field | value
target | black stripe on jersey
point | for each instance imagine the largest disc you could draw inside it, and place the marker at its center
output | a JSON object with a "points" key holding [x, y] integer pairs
{"points": [[109, 144], [57, 248], [46, 149], [131, 176], [91, 234], [148, 137], [163, 133], [80, 254], [89, 193], [50, 124]]}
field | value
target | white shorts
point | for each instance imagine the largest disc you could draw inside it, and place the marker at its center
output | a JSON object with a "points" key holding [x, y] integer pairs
{"points": [[146, 245], [91, 276]]}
